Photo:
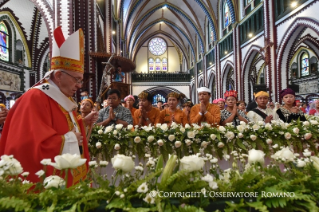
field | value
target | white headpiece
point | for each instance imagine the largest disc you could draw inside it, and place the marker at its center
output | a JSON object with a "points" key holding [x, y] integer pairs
{"points": [[203, 89]]}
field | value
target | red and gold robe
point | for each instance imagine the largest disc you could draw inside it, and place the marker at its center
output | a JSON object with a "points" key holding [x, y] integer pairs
{"points": [[35, 129]]}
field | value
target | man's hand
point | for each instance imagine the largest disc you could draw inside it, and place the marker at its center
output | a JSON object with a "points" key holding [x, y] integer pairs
{"points": [[78, 136], [91, 118], [3, 115], [202, 108], [268, 119], [111, 114]]}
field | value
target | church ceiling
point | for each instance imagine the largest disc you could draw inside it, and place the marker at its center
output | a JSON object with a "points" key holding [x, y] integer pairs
{"points": [[185, 20]]}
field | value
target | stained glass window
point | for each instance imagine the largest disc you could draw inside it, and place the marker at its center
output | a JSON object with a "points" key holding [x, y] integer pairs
{"points": [[227, 17], [158, 97], [4, 42], [304, 64], [210, 34], [158, 64], [230, 84], [157, 46], [151, 64], [164, 64]]}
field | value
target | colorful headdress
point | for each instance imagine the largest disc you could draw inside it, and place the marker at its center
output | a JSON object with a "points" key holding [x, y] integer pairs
{"points": [[129, 96], [175, 95], [230, 93], [261, 93], [2, 105], [68, 54], [89, 100], [189, 104], [286, 91], [146, 95], [218, 100]]}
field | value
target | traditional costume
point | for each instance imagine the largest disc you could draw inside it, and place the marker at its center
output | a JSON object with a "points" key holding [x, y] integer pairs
{"points": [[212, 115], [260, 114], [39, 124], [285, 114]]}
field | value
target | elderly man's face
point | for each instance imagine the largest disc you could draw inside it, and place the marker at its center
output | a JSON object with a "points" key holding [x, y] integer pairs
{"points": [[69, 82]]}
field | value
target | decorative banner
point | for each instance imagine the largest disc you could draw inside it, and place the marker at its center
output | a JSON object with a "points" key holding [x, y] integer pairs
{"points": [[158, 64], [151, 64], [164, 64], [9, 81]]}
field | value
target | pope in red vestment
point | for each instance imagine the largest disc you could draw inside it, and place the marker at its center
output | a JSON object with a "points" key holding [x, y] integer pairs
{"points": [[43, 122]]}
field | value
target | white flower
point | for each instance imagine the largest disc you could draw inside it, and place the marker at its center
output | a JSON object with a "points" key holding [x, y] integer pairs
{"points": [[11, 166], [226, 157], [25, 174], [313, 122], [164, 127], [187, 126], [67, 161], [103, 163], [284, 154], [269, 141], [98, 145], [242, 123], [204, 144], [150, 162], [108, 129], [129, 127], [229, 124], [305, 123], [117, 193], [25, 182], [287, 135], [174, 125], [230, 135], [125, 190], [147, 128], [213, 185], [240, 128], [100, 132], [182, 129], [307, 136], [268, 126], [122, 162], [158, 125], [214, 160], [295, 130], [253, 137], [221, 128], [45, 162], [160, 142], [220, 144], [191, 163], [171, 137], [150, 138], [261, 123], [122, 196], [275, 146], [255, 156], [315, 162], [300, 163], [117, 147], [208, 178], [142, 188], [196, 126], [306, 153], [119, 126], [53, 181], [188, 142], [92, 164], [213, 136], [137, 139], [178, 144], [240, 135], [149, 199], [115, 132], [256, 127], [147, 155], [139, 168], [191, 134]]}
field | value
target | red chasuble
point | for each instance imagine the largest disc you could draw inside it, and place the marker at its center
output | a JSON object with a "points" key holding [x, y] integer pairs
{"points": [[34, 130]]}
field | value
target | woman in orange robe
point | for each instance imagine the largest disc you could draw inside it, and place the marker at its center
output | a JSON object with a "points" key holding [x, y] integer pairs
{"points": [[129, 100], [172, 114]]}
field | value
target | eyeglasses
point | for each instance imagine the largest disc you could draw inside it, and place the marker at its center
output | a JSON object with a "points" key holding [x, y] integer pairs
{"points": [[77, 80]]}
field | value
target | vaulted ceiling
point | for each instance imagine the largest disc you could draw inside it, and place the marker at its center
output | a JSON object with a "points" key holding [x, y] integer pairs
{"points": [[183, 21]]}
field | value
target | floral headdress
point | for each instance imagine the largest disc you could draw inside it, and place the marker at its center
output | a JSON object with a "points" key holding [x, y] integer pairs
{"points": [[129, 96], [176, 95], [230, 93], [89, 100], [146, 95]]}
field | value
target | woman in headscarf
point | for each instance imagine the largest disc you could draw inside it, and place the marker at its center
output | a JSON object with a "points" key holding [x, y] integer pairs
{"points": [[172, 114], [289, 111], [220, 102], [231, 114], [129, 103]]}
